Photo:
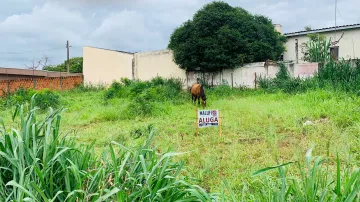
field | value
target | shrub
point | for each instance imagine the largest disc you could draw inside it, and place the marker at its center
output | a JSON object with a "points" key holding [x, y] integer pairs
{"points": [[21, 95], [141, 105], [141, 92], [46, 98], [126, 81], [157, 81], [114, 90], [222, 91]]}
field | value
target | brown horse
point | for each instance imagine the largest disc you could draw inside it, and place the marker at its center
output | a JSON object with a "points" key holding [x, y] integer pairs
{"points": [[197, 92]]}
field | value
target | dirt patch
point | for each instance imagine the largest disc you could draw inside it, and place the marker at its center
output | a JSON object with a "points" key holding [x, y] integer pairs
{"points": [[250, 140]]}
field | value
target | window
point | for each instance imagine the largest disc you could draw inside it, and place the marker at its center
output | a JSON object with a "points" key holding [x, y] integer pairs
{"points": [[334, 52]]}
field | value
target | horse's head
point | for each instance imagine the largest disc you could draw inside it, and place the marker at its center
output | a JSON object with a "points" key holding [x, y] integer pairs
{"points": [[204, 102]]}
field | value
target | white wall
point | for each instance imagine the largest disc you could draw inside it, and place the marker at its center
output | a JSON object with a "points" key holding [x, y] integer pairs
{"points": [[104, 66], [157, 63]]}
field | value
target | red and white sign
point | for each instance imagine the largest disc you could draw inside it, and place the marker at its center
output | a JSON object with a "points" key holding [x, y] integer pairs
{"points": [[208, 118]]}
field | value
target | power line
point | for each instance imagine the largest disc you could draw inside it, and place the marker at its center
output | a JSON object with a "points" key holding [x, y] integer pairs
{"points": [[335, 18], [340, 14]]}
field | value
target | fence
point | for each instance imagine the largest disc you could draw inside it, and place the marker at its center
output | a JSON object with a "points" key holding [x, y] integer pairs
{"points": [[53, 83], [104, 66]]}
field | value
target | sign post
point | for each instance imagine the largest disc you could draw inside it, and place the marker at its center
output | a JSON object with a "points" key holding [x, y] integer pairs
{"points": [[207, 118], [220, 125], [197, 126]]}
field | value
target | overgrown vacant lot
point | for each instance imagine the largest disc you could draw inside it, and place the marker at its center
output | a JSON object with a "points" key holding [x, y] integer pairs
{"points": [[257, 129]]}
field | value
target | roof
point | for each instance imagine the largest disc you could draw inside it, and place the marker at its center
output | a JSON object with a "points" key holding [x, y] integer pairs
{"points": [[29, 72], [326, 29], [112, 50]]}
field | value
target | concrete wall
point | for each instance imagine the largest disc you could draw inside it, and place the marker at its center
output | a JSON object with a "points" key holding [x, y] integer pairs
{"points": [[157, 63], [102, 66], [349, 45], [246, 75]]}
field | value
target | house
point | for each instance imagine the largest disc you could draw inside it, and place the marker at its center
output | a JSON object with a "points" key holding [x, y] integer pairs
{"points": [[345, 39]]}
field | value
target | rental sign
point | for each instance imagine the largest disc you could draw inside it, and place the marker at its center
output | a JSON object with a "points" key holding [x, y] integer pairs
{"points": [[207, 118]]}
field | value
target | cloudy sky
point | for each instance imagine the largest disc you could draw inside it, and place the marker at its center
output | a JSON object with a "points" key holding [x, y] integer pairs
{"points": [[30, 29]]}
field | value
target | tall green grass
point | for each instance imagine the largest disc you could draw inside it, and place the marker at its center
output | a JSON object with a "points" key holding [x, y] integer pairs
{"points": [[313, 181], [37, 163], [334, 75]]}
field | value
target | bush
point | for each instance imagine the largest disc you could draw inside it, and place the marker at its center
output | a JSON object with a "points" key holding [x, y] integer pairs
{"points": [[141, 105], [341, 75], [158, 89], [113, 91], [47, 98], [44, 98], [126, 81], [38, 164], [222, 91]]}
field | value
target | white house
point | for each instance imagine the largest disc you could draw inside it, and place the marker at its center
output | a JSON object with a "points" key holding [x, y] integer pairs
{"points": [[347, 46]]}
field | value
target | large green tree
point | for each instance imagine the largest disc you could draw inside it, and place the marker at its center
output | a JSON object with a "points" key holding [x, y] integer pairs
{"points": [[76, 66], [223, 37]]}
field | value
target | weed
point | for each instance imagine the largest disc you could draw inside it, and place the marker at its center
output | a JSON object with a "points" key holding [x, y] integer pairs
{"points": [[142, 131]]}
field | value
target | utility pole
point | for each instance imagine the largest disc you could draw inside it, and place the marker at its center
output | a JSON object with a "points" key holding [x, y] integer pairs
{"points": [[335, 18], [68, 60]]}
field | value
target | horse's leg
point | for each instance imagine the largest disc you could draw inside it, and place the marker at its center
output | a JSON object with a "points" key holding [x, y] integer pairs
{"points": [[199, 100]]}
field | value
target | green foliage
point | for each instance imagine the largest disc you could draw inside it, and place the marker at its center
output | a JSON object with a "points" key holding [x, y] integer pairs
{"points": [[45, 98], [307, 28], [142, 131], [255, 125], [313, 182], [223, 37], [339, 75], [222, 91], [144, 94], [282, 82], [115, 90], [76, 66], [317, 49], [88, 88], [38, 164]]}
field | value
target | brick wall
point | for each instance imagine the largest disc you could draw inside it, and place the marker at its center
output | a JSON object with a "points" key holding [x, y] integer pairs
{"points": [[53, 83]]}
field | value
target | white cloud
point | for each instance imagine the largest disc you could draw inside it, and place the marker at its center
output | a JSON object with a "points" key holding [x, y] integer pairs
{"points": [[127, 30]]}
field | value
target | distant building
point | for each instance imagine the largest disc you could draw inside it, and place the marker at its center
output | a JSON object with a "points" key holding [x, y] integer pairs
{"points": [[348, 46]]}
